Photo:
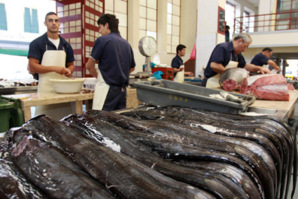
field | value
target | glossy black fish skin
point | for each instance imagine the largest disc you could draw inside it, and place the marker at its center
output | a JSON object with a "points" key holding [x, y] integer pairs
{"points": [[12, 183], [270, 128], [223, 129], [187, 135], [98, 130], [278, 129], [230, 134], [243, 155], [222, 169], [53, 172], [282, 139], [119, 173]]}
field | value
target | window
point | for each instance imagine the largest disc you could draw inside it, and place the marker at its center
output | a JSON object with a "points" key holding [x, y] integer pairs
{"points": [[287, 17], [230, 12], [31, 21], [148, 18], [3, 21], [173, 24], [246, 25], [118, 8]]}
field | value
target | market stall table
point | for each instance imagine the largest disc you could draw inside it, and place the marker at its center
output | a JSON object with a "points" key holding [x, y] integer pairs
{"points": [[33, 99], [281, 109]]}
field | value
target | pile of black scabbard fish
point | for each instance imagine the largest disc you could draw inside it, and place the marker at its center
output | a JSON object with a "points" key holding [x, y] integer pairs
{"points": [[149, 152]]}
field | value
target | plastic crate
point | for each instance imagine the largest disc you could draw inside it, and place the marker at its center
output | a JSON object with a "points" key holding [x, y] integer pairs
{"points": [[89, 83], [168, 73], [5, 107], [166, 93]]}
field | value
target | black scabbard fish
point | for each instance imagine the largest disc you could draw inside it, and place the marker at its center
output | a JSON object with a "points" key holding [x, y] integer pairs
{"points": [[249, 138], [278, 132], [219, 168], [220, 186], [191, 137], [220, 129], [121, 174], [249, 145], [280, 128], [12, 183], [52, 172], [275, 130], [170, 149], [259, 125]]}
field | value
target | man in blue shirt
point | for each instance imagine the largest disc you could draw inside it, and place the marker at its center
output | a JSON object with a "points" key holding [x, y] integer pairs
{"points": [[227, 33], [51, 57], [51, 40], [228, 52], [115, 61], [263, 59], [177, 61]]}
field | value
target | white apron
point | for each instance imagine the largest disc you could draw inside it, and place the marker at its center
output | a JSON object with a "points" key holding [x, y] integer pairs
{"points": [[45, 87], [100, 92], [179, 76], [213, 82]]}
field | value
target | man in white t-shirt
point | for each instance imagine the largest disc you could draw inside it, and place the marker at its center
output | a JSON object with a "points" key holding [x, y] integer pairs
{"points": [[51, 40], [51, 57]]}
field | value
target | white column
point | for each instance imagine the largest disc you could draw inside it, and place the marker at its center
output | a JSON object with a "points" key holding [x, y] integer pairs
{"points": [[265, 8], [162, 29], [188, 28], [133, 23], [207, 32]]}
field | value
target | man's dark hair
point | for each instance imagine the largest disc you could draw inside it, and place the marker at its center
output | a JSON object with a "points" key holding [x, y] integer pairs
{"points": [[49, 13], [179, 48], [111, 20], [267, 49]]}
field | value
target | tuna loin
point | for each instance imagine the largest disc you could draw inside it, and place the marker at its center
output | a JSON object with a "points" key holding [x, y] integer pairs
{"points": [[267, 87], [231, 79]]}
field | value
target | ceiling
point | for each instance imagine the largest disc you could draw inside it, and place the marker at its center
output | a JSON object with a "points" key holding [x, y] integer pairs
{"points": [[254, 2], [286, 55]]}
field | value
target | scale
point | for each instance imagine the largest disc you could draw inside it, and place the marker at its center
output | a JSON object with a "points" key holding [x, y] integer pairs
{"points": [[147, 47]]}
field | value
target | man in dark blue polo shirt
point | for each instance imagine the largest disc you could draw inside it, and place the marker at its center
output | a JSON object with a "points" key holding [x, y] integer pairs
{"points": [[262, 58], [115, 61], [51, 40], [177, 61], [226, 52], [51, 57]]}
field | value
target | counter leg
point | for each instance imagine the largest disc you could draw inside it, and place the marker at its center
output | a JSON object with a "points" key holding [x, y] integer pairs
{"points": [[88, 104], [79, 107], [291, 115], [27, 113]]}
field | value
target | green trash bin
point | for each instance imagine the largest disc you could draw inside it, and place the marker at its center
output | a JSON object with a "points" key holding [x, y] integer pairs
{"points": [[16, 113], [5, 108]]}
